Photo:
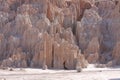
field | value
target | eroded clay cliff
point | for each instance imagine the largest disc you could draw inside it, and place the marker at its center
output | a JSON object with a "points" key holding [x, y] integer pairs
{"points": [[59, 33]]}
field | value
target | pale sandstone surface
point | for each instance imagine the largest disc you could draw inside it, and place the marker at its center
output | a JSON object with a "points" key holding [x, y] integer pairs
{"points": [[89, 73]]}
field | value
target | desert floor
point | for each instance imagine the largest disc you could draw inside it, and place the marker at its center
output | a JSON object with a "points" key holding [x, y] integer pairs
{"points": [[89, 73]]}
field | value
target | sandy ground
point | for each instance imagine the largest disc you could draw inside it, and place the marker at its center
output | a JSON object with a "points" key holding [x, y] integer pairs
{"points": [[89, 73]]}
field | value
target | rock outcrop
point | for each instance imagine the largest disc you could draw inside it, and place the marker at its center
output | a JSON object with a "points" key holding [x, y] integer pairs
{"points": [[59, 34]]}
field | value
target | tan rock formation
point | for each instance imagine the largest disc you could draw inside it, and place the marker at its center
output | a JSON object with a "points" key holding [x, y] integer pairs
{"points": [[92, 51], [116, 54], [51, 33]]}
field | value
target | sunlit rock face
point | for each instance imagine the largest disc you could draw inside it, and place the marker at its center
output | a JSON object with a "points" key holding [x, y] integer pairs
{"points": [[59, 33]]}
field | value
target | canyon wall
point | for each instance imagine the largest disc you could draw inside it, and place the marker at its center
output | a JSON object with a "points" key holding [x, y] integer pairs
{"points": [[59, 33]]}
